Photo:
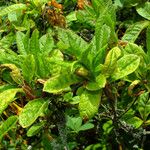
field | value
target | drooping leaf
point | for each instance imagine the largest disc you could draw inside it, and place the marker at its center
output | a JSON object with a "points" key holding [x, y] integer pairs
{"points": [[144, 10], [28, 68], [134, 30], [15, 72], [8, 125], [89, 103], [12, 8], [126, 65], [32, 111], [7, 96]]}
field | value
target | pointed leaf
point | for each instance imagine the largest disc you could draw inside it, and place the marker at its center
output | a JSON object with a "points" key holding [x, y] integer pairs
{"points": [[28, 68], [34, 43], [20, 44], [6, 97], [102, 36], [35, 129], [86, 126], [8, 125], [32, 111]]}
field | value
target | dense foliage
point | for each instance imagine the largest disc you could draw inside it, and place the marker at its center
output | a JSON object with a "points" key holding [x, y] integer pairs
{"points": [[74, 74]]}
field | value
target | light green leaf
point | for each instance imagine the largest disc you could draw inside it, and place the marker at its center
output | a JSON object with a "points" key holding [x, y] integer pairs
{"points": [[134, 30], [110, 63], [144, 105], [8, 125], [28, 68], [59, 83], [74, 123], [8, 96], [35, 129], [12, 8], [89, 103], [144, 10], [32, 111], [86, 126], [126, 65], [12, 16]]}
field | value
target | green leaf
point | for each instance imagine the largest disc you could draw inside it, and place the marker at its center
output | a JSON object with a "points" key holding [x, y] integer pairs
{"points": [[144, 105], [12, 8], [71, 43], [8, 125], [20, 43], [98, 84], [148, 41], [135, 121], [102, 34], [126, 65], [74, 123], [144, 10], [110, 63], [12, 16], [107, 127], [15, 72], [86, 126], [34, 43], [59, 83], [32, 111], [8, 96], [130, 119], [46, 43], [134, 30], [35, 129], [89, 103], [28, 68]]}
